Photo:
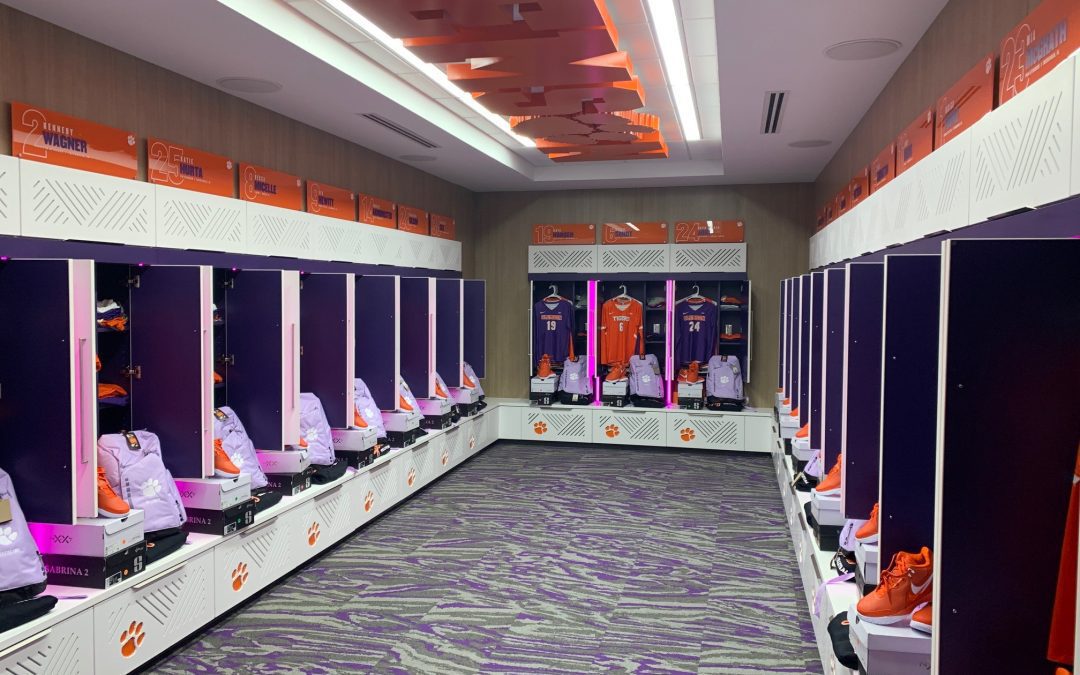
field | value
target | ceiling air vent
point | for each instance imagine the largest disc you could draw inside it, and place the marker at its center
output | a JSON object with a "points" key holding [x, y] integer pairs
{"points": [[772, 113], [399, 130]]}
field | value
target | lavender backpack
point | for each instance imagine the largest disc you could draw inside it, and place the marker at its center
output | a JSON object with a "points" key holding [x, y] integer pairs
{"points": [[471, 374], [22, 571], [575, 377], [315, 429], [645, 380], [133, 467], [235, 442], [725, 381], [365, 406]]}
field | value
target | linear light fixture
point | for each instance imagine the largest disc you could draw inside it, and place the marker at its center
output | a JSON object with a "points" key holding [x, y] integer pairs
{"points": [[433, 73], [665, 23]]}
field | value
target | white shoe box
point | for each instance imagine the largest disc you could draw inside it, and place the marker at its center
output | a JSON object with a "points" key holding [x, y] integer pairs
{"points": [[283, 461], [90, 537], [434, 407], [896, 649], [780, 396], [691, 391], [787, 420], [464, 395], [800, 449], [400, 421], [826, 509], [617, 388], [355, 440], [866, 555], [543, 385], [215, 494]]}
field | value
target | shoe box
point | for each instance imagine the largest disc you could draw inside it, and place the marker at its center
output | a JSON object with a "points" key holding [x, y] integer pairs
{"points": [[221, 521], [828, 520], [290, 484], [542, 389], [895, 649], [466, 399], [94, 552], [801, 452], [214, 494], [437, 413], [868, 572], [402, 428], [283, 461], [614, 394], [355, 446], [692, 395]]}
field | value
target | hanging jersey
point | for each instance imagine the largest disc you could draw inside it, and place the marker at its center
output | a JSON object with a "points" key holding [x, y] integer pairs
{"points": [[553, 329], [621, 333], [695, 331]]}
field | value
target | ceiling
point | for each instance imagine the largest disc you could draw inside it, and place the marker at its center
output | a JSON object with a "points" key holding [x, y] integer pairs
{"points": [[738, 50]]}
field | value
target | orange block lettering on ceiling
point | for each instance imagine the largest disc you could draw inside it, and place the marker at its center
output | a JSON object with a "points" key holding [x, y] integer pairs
{"points": [[565, 234], [1045, 38], [883, 168], [915, 142], [442, 226], [273, 188], [859, 187], [635, 233], [412, 220], [375, 211], [179, 166], [327, 200], [55, 138], [965, 102], [709, 232]]}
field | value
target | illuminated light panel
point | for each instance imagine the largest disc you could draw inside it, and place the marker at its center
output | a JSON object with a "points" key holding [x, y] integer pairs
{"points": [[665, 23]]}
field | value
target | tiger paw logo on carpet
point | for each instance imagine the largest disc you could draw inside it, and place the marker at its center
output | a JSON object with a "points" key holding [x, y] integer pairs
{"points": [[131, 639], [445, 457], [8, 536], [313, 534], [687, 434], [612, 430], [411, 477], [239, 576], [540, 428], [369, 501]]}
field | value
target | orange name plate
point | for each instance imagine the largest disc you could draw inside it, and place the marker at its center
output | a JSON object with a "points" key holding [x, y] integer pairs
{"points": [[1045, 38], [273, 188], [412, 220], [819, 220], [54, 138], [965, 102], [840, 202], [709, 232], [915, 142], [442, 226], [859, 187], [179, 166], [375, 211], [574, 233], [327, 200], [883, 168], [635, 233], [830, 211]]}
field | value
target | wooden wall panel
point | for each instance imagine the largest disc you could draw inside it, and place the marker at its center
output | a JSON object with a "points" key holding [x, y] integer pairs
{"points": [[777, 220], [964, 32], [46, 65]]}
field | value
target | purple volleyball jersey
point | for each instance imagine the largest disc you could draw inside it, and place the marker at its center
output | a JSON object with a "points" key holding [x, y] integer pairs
{"points": [[553, 328], [695, 332]]}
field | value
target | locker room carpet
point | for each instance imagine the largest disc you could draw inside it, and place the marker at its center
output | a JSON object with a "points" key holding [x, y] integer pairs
{"points": [[544, 559]]}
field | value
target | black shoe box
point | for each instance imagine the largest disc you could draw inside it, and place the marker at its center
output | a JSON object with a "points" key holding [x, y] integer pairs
{"points": [[800, 465], [613, 401], [828, 536], [787, 446], [290, 484], [692, 404], [436, 421], [212, 521], [468, 409], [92, 572], [866, 586], [356, 458], [403, 439], [546, 398]]}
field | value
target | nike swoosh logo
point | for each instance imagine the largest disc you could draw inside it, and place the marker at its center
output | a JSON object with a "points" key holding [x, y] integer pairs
{"points": [[916, 589]]}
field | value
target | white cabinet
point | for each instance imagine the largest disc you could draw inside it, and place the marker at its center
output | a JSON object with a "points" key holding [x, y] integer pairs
{"points": [[66, 648], [630, 427], [707, 431], [252, 560], [572, 425], [385, 487]]}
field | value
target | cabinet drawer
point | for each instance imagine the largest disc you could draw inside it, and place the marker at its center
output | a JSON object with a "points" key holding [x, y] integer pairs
{"points": [[630, 427], [557, 424], [66, 648], [252, 560], [708, 431], [385, 486]]}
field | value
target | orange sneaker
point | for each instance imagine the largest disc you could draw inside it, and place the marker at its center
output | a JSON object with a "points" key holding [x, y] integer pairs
{"points": [[303, 442], [218, 379], [804, 432], [440, 392], [692, 372], [109, 504], [906, 584], [358, 420], [923, 619], [786, 401], [616, 373], [543, 369], [731, 337], [794, 413], [223, 466], [867, 534], [830, 484], [682, 374], [404, 404], [466, 381]]}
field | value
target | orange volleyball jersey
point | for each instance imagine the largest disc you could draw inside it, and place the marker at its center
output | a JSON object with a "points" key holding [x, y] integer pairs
{"points": [[621, 332]]}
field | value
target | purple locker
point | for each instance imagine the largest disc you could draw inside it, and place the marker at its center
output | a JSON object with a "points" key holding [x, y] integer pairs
{"points": [[448, 331], [327, 343], [814, 382], [417, 297], [377, 332], [832, 400], [474, 321], [804, 349]]}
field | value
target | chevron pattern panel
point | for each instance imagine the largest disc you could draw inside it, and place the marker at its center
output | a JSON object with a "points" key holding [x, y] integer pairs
{"points": [[334, 239], [9, 195], [333, 514], [630, 428], [251, 561], [281, 232], [61, 203], [635, 258], [385, 484], [571, 259], [192, 220], [558, 425], [708, 258], [708, 432], [1022, 151], [65, 649]]}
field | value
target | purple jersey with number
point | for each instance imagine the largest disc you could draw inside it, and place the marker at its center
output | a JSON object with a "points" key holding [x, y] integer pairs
{"points": [[553, 328], [695, 332]]}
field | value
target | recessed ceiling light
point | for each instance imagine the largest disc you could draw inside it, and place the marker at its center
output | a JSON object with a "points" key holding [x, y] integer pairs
{"points": [[813, 143], [249, 85], [669, 38], [861, 50], [417, 158]]}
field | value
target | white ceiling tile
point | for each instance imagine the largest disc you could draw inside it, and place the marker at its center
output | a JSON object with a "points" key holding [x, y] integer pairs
{"points": [[704, 70], [700, 37], [697, 9]]}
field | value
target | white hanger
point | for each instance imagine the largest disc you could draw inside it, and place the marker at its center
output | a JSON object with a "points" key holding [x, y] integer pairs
{"points": [[554, 297], [623, 295], [695, 296]]}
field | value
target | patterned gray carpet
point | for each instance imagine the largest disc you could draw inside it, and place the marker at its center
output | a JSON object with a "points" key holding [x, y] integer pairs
{"points": [[539, 559]]}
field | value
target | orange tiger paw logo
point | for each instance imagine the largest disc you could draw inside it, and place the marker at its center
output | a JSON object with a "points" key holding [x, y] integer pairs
{"points": [[313, 534], [611, 430], [239, 576], [131, 639], [540, 428], [411, 477], [369, 502], [687, 434], [445, 457]]}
